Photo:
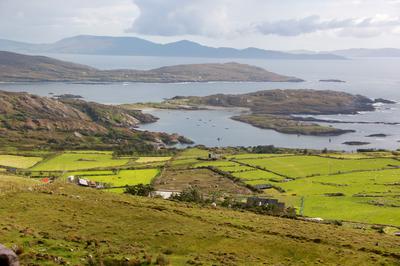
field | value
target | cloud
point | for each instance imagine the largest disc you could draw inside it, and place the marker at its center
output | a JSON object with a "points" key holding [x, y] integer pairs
{"points": [[182, 17], [217, 18], [44, 20], [354, 27]]}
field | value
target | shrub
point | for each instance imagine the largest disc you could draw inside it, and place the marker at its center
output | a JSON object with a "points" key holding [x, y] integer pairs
{"points": [[162, 260], [139, 190], [190, 194]]}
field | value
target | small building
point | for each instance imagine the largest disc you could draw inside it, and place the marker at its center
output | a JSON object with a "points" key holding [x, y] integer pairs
{"points": [[71, 179], [83, 182], [258, 202], [263, 186], [213, 156], [165, 194]]}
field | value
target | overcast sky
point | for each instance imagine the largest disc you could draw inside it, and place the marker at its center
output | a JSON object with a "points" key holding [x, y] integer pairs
{"points": [[268, 24]]}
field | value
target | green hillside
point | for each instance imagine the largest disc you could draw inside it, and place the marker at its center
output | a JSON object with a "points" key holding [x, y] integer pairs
{"points": [[64, 224]]}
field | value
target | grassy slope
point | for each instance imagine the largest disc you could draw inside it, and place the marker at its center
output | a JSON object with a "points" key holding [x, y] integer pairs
{"points": [[18, 161], [71, 223], [77, 161]]}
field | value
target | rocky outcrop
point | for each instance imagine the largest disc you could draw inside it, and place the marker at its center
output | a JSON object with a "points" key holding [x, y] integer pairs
{"points": [[8, 257], [25, 117]]}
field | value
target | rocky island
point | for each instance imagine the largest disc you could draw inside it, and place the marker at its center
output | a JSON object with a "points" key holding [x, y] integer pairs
{"points": [[25, 68], [276, 109]]}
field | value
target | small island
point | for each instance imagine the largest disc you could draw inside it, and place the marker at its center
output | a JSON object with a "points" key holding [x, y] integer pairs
{"points": [[381, 135], [384, 101], [356, 143], [332, 80]]}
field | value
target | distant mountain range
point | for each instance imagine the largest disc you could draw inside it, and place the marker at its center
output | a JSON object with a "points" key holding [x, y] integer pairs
{"points": [[19, 67], [102, 45]]}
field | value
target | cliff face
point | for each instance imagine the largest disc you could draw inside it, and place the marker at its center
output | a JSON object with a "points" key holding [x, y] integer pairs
{"points": [[26, 118], [18, 67]]}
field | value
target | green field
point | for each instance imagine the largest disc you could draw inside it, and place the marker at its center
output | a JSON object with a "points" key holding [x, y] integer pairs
{"points": [[18, 161], [193, 153], [127, 177], [305, 166], [255, 156], [152, 159], [76, 161], [370, 197], [258, 175]]}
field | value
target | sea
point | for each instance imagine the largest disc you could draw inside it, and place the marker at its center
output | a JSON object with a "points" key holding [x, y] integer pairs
{"points": [[371, 77]]}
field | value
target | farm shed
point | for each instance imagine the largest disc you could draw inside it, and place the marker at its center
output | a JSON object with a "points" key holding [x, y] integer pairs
{"points": [[257, 202], [83, 182]]}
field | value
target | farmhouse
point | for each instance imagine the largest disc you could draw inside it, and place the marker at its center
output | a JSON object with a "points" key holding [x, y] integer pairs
{"points": [[258, 202], [165, 194]]}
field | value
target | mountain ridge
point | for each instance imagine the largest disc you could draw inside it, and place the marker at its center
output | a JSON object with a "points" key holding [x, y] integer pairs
{"points": [[134, 46]]}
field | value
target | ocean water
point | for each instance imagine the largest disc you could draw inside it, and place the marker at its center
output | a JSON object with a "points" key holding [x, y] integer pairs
{"points": [[374, 78]]}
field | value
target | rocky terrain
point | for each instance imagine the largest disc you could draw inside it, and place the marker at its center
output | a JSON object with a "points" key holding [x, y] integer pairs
{"points": [[27, 119], [19, 68]]}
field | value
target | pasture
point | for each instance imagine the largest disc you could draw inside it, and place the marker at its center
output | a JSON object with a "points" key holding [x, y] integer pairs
{"points": [[126, 177], [306, 166], [370, 197], [70, 161], [152, 159], [16, 161]]}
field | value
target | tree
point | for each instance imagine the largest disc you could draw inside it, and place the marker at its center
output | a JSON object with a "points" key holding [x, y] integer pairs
{"points": [[139, 190], [190, 194]]}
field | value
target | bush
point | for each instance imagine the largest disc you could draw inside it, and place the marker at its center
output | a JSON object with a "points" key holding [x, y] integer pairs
{"points": [[139, 190], [190, 194], [162, 260]]}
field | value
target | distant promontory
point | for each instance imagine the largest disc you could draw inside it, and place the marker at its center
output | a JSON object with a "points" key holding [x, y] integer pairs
{"points": [[25, 68]]}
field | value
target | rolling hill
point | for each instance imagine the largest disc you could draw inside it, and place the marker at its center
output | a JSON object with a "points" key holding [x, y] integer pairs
{"points": [[18, 67]]}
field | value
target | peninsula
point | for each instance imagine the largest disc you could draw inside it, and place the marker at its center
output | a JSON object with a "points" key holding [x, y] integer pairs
{"points": [[25, 68]]}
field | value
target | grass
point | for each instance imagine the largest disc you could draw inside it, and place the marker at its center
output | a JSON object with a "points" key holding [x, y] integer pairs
{"points": [[361, 193], [304, 166], [262, 176], [193, 153], [255, 156], [72, 224], [76, 161], [207, 181], [16, 161], [152, 159], [127, 177]]}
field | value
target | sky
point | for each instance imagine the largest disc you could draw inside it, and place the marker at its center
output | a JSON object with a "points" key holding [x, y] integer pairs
{"points": [[268, 24]]}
